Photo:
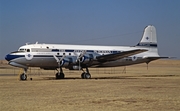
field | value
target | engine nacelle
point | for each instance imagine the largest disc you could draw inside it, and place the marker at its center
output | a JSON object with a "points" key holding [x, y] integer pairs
{"points": [[64, 63], [75, 67], [85, 59]]}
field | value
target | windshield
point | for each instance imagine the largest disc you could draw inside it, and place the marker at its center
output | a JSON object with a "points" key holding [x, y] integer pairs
{"points": [[21, 50], [17, 51]]}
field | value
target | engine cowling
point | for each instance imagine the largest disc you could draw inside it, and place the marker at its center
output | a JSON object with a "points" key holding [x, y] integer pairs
{"points": [[64, 63], [85, 59]]}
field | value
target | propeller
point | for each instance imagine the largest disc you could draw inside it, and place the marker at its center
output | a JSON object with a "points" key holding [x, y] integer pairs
{"points": [[79, 57], [59, 60]]}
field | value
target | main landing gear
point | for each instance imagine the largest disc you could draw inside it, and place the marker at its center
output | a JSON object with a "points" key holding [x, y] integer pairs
{"points": [[60, 74], [23, 76], [85, 75]]}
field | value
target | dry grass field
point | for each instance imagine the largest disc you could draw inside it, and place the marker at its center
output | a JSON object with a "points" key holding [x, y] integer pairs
{"points": [[110, 89]]}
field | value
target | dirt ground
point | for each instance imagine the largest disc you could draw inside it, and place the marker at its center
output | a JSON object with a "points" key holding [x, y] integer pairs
{"points": [[110, 89]]}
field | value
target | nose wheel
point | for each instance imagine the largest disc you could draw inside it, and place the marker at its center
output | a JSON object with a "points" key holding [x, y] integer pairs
{"points": [[23, 76]]}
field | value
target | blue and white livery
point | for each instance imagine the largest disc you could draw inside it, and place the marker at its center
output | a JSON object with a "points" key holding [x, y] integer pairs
{"points": [[79, 57]]}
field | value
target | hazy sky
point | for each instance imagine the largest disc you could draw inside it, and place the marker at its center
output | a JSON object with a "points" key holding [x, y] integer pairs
{"points": [[98, 22]]}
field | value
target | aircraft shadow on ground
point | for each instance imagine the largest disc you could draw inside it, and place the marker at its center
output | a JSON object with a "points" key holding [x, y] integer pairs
{"points": [[117, 77], [95, 78]]}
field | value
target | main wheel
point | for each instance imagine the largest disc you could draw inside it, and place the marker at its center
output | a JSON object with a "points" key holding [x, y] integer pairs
{"points": [[23, 77], [83, 75], [87, 76], [59, 75]]}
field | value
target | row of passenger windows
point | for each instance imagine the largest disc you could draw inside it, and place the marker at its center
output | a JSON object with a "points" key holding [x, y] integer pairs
{"points": [[63, 54], [45, 50], [28, 50], [68, 54]]}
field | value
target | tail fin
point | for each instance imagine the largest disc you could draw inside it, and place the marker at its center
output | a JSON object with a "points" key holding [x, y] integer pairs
{"points": [[149, 38], [149, 41]]}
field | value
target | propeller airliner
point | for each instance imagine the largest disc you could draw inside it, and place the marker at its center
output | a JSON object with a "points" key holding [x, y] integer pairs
{"points": [[79, 57]]}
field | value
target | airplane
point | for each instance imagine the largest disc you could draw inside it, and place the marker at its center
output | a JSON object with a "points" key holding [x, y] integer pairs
{"points": [[79, 57]]}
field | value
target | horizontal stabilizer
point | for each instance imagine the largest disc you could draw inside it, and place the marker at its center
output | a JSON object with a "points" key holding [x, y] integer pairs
{"points": [[156, 58], [119, 55]]}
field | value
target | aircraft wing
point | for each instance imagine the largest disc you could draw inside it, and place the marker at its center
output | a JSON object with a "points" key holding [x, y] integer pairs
{"points": [[119, 55]]}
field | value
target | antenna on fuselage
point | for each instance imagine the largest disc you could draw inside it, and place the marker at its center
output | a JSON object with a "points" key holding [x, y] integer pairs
{"points": [[27, 43]]}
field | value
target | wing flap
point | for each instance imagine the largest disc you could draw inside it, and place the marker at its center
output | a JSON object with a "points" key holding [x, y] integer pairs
{"points": [[119, 55]]}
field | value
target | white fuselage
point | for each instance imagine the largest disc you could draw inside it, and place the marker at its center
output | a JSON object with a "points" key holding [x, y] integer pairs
{"points": [[41, 55]]}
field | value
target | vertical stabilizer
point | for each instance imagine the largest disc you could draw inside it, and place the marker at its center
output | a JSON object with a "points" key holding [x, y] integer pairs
{"points": [[149, 38]]}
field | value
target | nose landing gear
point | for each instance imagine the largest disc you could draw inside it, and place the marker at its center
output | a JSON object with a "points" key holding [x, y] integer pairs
{"points": [[23, 76]]}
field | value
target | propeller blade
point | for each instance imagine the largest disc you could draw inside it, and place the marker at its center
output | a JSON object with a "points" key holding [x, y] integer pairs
{"points": [[56, 58], [62, 58]]}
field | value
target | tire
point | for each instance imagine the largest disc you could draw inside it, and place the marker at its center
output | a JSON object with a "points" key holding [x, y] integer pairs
{"points": [[83, 75], [57, 76], [60, 75], [23, 77], [87, 76]]}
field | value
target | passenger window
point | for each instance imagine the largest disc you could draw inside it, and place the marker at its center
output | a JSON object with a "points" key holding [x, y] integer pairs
{"points": [[69, 53], [28, 50], [63, 53]]}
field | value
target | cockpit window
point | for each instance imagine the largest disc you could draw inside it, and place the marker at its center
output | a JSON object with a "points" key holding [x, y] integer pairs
{"points": [[24, 50], [21, 49]]}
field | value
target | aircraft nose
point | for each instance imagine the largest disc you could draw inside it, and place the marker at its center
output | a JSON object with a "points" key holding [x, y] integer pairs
{"points": [[8, 57]]}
